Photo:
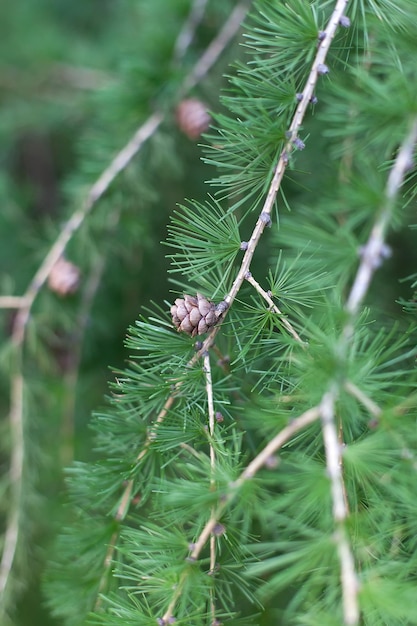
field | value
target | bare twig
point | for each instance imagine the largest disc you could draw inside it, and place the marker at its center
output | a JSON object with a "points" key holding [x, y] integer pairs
{"points": [[375, 250], [22, 317], [373, 253], [118, 164], [11, 535], [190, 25], [211, 419], [265, 295], [12, 302], [333, 451], [299, 423], [308, 91], [279, 170], [369, 404], [210, 403], [216, 47]]}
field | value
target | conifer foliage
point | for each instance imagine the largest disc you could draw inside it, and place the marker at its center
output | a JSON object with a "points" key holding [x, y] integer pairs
{"points": [[264, 471], [257, 461]]}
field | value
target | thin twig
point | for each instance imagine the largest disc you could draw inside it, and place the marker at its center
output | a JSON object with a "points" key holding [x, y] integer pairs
{"points": [[177, 593], [217, 46], [263, 220], [279, 170], [333, 451], [210, 403], [211, 419], [12, 302], [284, 321], [87, 299], [369, 404], [297, 120], [99, 188], [126, 496], [190, 25], [372, 255], [20, 323], [297, 424], [11, 535], [210, 56], [375, 250]]}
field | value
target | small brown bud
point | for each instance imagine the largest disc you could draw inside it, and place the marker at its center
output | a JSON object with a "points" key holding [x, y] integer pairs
{"points": [[192, 117], [64, 278]]}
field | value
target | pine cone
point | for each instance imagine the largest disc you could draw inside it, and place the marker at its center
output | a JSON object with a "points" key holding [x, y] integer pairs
{"points": [[195, 315], [64, 278], [192, 117]]}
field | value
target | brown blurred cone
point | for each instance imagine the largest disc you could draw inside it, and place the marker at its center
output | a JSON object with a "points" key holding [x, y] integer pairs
{"points": [[195, 315], [64, 277], [192, 117]]}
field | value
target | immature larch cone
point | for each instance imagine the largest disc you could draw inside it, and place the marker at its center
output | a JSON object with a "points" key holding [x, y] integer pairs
{"points": [[192, 117], [195, 315], [64, 277]]}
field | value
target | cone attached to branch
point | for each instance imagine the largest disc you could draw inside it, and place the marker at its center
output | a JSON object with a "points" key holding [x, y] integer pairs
{"points": [[195, 315]]}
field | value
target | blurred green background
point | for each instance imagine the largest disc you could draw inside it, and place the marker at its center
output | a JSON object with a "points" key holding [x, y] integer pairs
{"points": [[76, 80]]}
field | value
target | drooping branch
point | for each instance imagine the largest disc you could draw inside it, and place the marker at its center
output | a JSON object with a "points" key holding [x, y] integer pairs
{"points": [[299, 423], [372, 256], [296, 425], [264, 219]]}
